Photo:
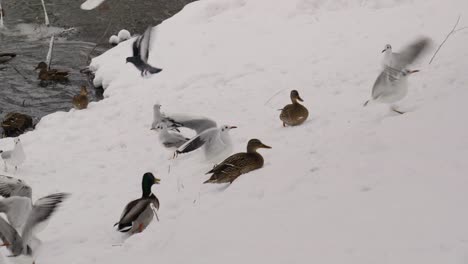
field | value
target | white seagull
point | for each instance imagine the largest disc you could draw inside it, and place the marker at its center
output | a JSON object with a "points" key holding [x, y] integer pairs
{"points": [[173, 122], [140, 54], [170, 139], [25, 219], [214, 141], [391, 85], [15, 156]]}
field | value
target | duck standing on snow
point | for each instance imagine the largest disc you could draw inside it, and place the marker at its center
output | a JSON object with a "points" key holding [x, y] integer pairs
{"points": [[138, 214], [170, 139], [141, 48], [294, 114], [391, 85], [15, 156], [5, 57], [238, 164], [81, 100], [46, 74], [214, 141], [25, 219]]}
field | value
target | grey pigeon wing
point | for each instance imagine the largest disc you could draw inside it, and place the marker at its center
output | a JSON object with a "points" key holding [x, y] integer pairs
{"points": [[145, 45], [9, 236], [41, 211], [410, 53], [10, 186]]}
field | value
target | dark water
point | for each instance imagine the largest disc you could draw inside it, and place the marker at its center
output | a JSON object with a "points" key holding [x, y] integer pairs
{"points": [[20, 90]]}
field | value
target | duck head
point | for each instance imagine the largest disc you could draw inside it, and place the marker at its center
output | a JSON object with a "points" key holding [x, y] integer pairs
{"points": [[41, 66], [387, 47], [148, 181], [255, 144], [295, 96]]}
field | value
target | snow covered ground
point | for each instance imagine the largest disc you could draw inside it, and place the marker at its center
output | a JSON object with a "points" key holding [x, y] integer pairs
{"points": [[351, 185]]}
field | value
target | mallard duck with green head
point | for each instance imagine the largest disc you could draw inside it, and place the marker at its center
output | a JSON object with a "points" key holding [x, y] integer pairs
{"points": [[46, 74], [294, 114], [238, 164], [138, 214]]}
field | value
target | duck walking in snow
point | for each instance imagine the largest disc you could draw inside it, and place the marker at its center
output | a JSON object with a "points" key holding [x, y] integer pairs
{"points": [[391, 85], [238, 164], [214, 141], [14, 157], [174, 122], [25, 219], [141, 47], [46, 74], [5, 57], [170, 139], [294, 114], [81, 100], [138, 214]]}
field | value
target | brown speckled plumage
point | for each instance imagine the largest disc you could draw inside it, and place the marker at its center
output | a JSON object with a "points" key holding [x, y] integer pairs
{"points": [[81, 101], [46, 74], [294, 114], [238, 164]]}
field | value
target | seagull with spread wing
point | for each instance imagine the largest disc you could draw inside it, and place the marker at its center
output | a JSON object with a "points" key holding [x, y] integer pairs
{"points": [[25, 219]]}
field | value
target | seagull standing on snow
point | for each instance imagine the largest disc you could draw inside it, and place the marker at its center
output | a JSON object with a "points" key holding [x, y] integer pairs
{"points": [[15, 156], [391, 84], [25, 219], [197, 123], [214, 141], [141, 47], [170, 139]]}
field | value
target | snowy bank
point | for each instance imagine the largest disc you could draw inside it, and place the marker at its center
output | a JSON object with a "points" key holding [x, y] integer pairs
{"points": [[351, 185]]}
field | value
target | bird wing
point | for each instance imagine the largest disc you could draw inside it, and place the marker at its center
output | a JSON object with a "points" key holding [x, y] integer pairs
{"points": [[6, 154], [145, 45], [10, 186], [135, 47], [198, 141], [10, 236], [41, 211], [410, 53], [197, 123], [133, 210], [386, 79], [229, 163]]}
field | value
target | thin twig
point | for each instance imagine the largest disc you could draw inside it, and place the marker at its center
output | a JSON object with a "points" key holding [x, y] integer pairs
{"points": [[446, 38], [274, 95], [19, 72]]}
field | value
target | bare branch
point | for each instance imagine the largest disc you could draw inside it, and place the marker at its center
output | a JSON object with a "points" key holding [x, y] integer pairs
{"points": [[446, 38]]}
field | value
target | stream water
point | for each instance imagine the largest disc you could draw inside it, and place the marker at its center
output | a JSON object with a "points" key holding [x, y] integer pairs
{"points": [[76, 33]]}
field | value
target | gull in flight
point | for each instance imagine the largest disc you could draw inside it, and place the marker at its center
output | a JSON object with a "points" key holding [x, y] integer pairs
{"points": [[391, 85]]}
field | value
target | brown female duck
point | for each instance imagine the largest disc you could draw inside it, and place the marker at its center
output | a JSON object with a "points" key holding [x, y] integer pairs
{"points": [[46, 74], [237, 164], [80, 101], [294, 114]]}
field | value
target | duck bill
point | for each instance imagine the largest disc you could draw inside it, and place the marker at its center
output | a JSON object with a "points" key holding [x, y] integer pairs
{"points": [[300, 99], [265, 146], [157, 181]]}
